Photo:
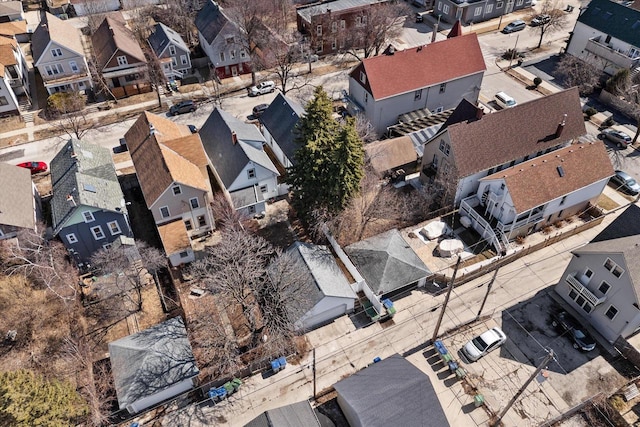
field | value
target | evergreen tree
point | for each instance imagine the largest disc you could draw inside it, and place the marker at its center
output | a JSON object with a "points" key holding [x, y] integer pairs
{"points": [[328, 162]]}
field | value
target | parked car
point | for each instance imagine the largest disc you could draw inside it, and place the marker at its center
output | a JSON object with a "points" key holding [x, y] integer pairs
{"points": [[182, 107], [514, 26], [35, 167], [419, 17], [483, 344], [310, 57], [567, 323], [122, 147], [540, 20], [621, 139], [259, 109], [623, 181], [193, 128], [505, 101], [262, 88]]}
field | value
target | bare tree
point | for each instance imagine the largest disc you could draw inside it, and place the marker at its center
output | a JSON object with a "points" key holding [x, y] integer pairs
{"points": [[557, 19], [226, 215], [68, 114], [576, 72], [365, 129], [623, 85]]}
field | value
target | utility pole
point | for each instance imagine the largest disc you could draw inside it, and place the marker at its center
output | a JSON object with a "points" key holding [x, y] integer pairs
{"points": [[446, 300], [314, 372], [484, 300], [515, 50], [435, 30], [544, 363]]}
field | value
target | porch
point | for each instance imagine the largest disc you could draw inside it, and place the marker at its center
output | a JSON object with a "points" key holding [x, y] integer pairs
{"points": [[618, 57]]}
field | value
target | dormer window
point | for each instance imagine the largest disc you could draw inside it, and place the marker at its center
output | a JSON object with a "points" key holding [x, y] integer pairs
{"points": [[172, 50], [176, 190], [57, 52], [88, 216], [251, 173]]}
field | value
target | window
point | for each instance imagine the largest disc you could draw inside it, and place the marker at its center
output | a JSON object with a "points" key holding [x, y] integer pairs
{"points": [[56, 52], [499, 5], [363, 77], [334, 44], [201, 221], [164, 211], [251, 173], [366, 97], [588, 273], [176, 190], [230, 40], [106, 246], [443, 87], [122, 60], [439, 6], [343, 24], [611, 312], [587, 307], [188, 225], [319, 30], [184, 254], [172, 50], [519, 2], [3, 100], [264, 188], [564, 199], [132, 77], [232, 54], [183, 59], [477, 11], [97, 232], [334, 27], [114, 228], [71, 238], [222, 56], [445, 147], [604, 288], [174, 61], [194, 203], [417, 95], [74, 66], [614, 268], [243, 54], [488, 9], [53, 69], [88, 216], [445, 9], [252, 209]]}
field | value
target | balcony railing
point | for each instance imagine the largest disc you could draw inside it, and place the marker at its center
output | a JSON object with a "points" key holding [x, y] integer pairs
{"points": [[582, 290], [64, 77], [531, 220], [15, 82], [608, 53], [480, 224]]}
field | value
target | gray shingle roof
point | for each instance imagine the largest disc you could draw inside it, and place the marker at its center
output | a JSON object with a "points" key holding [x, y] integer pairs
{"points": [[227, 157], [280, 119], [151, 361], [614, 19], [86, 172], [387, 262], [162, 36], [294, 415], [335, 7], [16, 203], [211, 20], [392, 392]]}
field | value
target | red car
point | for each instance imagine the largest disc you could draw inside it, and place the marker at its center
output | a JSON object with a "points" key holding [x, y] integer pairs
{"points": [[35, 167]]}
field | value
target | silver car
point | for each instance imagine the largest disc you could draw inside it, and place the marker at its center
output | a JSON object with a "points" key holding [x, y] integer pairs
{"points": [[483, 344], [621, 139]]}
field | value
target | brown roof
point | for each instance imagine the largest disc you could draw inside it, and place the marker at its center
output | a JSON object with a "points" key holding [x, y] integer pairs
{"points": [[424, 66], [113, 35], [16, 203], [57, 31], [13, 28], [168, 154], [513, 133], [7, 56], [174, 237], [390, 154], [540, 180]]}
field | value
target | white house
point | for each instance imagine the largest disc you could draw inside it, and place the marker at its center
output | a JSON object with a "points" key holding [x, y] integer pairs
{"points": [[171, 50]]}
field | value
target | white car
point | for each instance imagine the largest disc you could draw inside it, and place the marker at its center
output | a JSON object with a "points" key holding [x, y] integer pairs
{"points": [[262, 88], [483, 344]]}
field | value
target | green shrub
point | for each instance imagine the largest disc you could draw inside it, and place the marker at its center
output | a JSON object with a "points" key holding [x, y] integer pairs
{"points": [[591, 111]]}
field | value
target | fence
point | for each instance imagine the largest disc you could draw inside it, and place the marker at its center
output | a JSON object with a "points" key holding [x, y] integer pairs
{"points": [[629, 109], [125, 91]]}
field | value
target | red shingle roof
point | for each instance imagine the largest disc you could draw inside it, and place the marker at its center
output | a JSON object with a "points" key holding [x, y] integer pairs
{"points": [[424, 66]]}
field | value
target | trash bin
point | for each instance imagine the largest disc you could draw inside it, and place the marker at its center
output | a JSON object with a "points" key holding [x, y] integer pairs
{"points": [[283, 362], [478, 400], [376, 360], [275, 365]]}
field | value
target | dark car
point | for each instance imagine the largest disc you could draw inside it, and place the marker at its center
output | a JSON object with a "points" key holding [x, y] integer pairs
{"points": [[259, 109], [35, 167], [182, 107], [623, 181], [540, 20], [192, 128], [568, 324], [621, 139]]}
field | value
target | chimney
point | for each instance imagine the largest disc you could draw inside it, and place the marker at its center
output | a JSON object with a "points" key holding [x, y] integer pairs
{"points": [[479, 113], [234, 137], [419, 48], [560, 127], [71, 199]]}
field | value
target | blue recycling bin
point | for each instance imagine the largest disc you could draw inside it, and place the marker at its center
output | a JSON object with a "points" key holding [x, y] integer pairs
{"points": [[275, 365], [376, 360], [282, 361]]}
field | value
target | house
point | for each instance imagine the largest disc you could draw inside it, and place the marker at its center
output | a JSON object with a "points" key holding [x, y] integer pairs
{"points": [[58, 55], [118, 55], [327, 293], [20, 206], [471, 145], [387, 263], [240, 165], [394, 157], [93, 7], [17, 29], [390, 392], [221, 39], [171, 166], [87, 208], [434, 77], [471, 12], [537, 193], [335, 25], [133, 4], [294, 415], [11, 11], [602, 280], [152, 365], [278, 127], [58, 7], [607, 35], [171, 50], [14, 83]]}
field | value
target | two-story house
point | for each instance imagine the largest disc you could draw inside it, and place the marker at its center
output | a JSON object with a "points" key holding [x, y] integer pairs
{"points": [[435, 77], [87, 208], [58, 55], [278, 127], [473, 11], [335, 25], [10, 81], [171, 166], [11, 11], [607, 35], [171, 51], [240, 165], [118, 55], [93, 7], [221, 39], [602, 280], [20, 206]]}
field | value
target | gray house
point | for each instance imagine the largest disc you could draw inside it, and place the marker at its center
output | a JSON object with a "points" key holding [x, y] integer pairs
{"points": [[602, 280], [294, 415], [472, 11], [171, 50], [392, 392], [153, 365], [20, 206], [278, 127], [88, 207]]}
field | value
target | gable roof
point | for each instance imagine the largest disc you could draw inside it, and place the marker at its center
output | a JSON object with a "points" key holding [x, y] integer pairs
{"points": [[294, 415], [150, 361], [57, 31], [174, 237], [230, 158], [424, 66], [456, 30], [280, 119], [614, 19], [626, 224], [162, 36], [391, 392], [10, 8], [210, 21], [83, 174], [335, 6], [113, 35], [164, 152], [387, 262], [16, 203], [514, 133], [553, 175], [388, 154], [7, 52], [12, 28]]}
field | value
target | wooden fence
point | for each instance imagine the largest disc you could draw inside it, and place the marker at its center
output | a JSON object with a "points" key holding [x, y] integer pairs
{"points": [[136, 89]]}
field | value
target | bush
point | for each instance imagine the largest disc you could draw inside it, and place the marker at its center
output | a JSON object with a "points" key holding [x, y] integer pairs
{"points": [[617, 402], [591, 111], [64, 103], [537, 81], [512, 54], [608, 123]]}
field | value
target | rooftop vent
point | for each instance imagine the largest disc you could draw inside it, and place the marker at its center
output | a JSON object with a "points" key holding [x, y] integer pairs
{"points": [[560, 171]]}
